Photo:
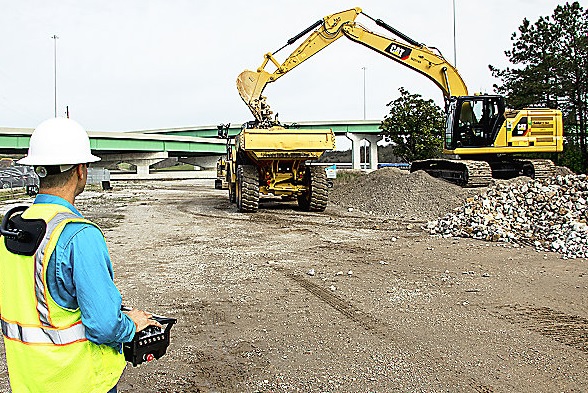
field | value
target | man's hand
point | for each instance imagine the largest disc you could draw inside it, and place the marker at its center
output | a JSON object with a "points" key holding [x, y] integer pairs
{"points": [[142, 319]]}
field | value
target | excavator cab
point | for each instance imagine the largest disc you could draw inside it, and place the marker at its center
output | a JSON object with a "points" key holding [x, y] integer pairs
{"points": [[473, 121]]}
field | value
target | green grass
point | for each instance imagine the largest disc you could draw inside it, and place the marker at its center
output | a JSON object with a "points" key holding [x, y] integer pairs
{"points": [[346, 176], [123, 166], [182, 167], [15, 193]]}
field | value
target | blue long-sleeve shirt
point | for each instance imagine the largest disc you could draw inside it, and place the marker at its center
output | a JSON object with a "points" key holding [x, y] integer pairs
{"points": [[79, 274]]}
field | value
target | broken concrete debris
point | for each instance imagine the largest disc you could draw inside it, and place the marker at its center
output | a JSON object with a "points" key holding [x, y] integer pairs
{"points": [[548, 214]]}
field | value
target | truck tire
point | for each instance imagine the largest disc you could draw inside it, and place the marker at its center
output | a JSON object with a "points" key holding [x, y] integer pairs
{"points": [[247, 189], [315, 199], [232, 186], [232, 193]]}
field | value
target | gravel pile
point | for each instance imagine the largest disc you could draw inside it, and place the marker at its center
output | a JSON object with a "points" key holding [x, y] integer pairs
{"points": [[399, 194], [549, 214]]}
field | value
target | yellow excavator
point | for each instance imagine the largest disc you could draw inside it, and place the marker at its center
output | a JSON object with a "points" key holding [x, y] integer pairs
{"points": [[481, 134]]}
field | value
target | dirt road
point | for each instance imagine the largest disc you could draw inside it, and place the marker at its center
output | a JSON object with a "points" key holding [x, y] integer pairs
{"points": [[285, 301]]}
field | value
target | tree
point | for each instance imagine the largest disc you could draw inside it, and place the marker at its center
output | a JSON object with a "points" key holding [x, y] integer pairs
{"points": [[551, 58], [414, 126]]}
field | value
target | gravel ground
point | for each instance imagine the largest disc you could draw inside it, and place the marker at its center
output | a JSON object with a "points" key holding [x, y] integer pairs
{"points": [[341, 301]]}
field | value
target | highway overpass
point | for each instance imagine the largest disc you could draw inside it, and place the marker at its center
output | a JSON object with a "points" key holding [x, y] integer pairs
{"points": [[195, 145]]}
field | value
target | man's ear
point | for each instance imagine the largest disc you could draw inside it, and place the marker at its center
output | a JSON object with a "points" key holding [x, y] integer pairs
{"points": [[80, 170]]}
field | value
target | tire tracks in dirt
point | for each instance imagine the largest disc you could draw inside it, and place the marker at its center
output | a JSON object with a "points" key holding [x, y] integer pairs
{"points": [[369, 322], [358, 316], [292, 217], [571, 330]]}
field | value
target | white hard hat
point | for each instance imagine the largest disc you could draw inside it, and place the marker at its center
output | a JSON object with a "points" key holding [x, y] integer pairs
{"points": [[59, 141]]}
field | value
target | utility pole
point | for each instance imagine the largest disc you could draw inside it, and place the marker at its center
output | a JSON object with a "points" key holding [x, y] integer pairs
{"points": [[55, 38]]}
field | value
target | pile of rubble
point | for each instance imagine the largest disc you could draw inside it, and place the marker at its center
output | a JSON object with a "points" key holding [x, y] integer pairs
{"points": [[549, 214]]}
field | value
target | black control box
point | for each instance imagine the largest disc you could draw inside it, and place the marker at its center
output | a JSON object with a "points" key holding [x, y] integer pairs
{"points": [[150, 343]]}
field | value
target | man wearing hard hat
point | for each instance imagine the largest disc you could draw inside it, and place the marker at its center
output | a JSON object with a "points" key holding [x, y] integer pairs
{"points": [[61, 312]]}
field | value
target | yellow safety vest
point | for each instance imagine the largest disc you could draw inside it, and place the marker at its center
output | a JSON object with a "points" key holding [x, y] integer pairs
{"points": [[46, 345]]}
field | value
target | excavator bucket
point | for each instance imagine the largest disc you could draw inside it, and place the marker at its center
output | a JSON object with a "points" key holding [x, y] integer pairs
{"points": [[250, 85]]}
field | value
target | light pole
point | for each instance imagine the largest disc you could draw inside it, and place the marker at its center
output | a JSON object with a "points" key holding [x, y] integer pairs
{"points": [[363, 68], [454, 40], [364, 117], [55, 37]]}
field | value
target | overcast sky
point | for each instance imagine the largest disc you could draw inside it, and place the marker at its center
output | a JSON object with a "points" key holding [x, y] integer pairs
{"points": [[145, 64]]}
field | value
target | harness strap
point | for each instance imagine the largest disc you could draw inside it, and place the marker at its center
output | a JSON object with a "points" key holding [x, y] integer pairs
{"points": [[42, 306]]}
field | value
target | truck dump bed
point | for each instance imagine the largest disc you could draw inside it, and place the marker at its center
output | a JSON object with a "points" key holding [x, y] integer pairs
{"points": [[285, 143]]}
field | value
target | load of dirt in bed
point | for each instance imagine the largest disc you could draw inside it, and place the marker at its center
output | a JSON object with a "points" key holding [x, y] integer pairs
{"points": [[399, 194]]}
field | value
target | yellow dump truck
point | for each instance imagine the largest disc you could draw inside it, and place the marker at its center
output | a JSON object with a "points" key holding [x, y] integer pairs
{"points": [[275, 161]]}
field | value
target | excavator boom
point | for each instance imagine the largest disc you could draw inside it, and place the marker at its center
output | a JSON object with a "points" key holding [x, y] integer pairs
{"points": [[410, 53], [420, 58]]}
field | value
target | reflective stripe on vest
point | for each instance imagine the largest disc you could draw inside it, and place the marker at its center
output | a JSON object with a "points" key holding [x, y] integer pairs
{"points": [[42, 307], [36, 335]]}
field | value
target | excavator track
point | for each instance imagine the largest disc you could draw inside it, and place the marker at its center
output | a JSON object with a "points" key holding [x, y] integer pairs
{"points": [[543, 169], [466, 173], [474, 173], [510, 168], [479, 173]]}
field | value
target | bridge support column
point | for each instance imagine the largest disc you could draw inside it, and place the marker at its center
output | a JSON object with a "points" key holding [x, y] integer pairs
{"points": [[373, 140], [141, 160], [356, 149], [142, 167]]}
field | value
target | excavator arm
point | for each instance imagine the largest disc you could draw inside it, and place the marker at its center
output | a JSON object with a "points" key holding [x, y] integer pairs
{"points": [[251, 84]]}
